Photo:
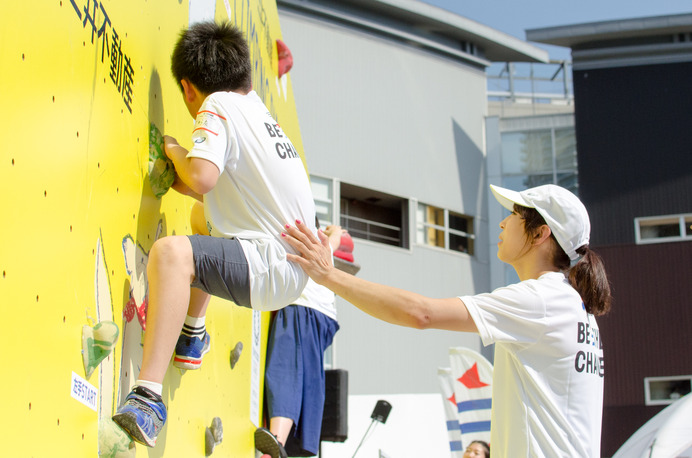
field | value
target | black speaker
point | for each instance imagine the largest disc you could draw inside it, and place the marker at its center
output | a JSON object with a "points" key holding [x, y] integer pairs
{"points": [[381, 411], [335, 418]]}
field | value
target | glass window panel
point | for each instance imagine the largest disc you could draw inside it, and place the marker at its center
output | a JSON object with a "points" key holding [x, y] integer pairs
{"points": [[514, 182], [537, 152], [565, 149], [659, 229], [374, 216], [420, 213], [322, 193], [460, 243], [321, 188], [511, 152], [459, 222], [669, 389], [431, 223], [521, 182], [527, 152], [421, 234], [323, 210], [537, 180], [688, 226], [432, 229], [436, 216], [569, 181], [329, 357], [434, 237]]}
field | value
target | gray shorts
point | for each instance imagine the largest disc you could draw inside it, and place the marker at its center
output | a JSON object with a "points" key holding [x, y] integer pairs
{"points": [[221, 268]]}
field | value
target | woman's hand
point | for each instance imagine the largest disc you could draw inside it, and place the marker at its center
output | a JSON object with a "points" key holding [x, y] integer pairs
{"points": [[315, 256]]}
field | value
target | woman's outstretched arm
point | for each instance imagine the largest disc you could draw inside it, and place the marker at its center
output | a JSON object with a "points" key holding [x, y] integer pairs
{"points": [[393, 305]]}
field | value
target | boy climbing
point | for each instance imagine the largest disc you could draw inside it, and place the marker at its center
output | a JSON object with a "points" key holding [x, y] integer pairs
{"points": [[251, 180]]}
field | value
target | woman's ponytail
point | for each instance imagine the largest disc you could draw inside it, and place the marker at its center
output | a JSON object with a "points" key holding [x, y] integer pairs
{"points": [[588, 277]]}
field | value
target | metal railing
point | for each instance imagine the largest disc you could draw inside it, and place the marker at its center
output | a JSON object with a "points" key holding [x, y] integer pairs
{"points": [[371, 230], [537, 83]]}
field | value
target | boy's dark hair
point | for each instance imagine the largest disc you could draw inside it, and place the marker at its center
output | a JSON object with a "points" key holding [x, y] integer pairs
{"points": [[214, 57]]}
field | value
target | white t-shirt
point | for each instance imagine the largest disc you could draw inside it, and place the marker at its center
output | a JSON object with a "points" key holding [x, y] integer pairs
{"points": [[262, 186], [548, 370], [319, 298]]}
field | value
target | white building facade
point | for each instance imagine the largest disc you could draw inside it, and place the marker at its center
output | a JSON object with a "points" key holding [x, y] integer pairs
{"points": [[392, 102]]}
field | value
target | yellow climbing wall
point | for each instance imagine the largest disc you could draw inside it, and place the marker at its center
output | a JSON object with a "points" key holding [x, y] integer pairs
{"points": [[82, 81]]}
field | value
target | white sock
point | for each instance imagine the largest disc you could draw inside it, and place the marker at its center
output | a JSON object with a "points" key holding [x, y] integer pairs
{"points": [[194, 326], [153, 386]]}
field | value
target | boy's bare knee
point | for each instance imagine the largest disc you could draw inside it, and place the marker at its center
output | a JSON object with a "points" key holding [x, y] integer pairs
{"points": [[171, 252]]}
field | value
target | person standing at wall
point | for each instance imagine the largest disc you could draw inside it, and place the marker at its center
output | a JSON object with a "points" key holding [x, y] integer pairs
{"points": [[294, 379]]}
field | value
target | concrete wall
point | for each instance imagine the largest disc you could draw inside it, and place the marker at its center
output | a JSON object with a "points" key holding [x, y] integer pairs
{"points": [[388, 116]]}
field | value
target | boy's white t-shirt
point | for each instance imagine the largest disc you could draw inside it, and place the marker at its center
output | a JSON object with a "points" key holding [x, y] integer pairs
{"points": [[317, 297], [262, 186], [548, 369]]}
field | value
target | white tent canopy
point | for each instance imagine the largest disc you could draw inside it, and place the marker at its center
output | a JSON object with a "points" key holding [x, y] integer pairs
{"points": [[667, 435]]}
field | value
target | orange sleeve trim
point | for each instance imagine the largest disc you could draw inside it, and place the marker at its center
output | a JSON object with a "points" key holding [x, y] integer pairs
{"points": [[204, 128], [211, 112]]}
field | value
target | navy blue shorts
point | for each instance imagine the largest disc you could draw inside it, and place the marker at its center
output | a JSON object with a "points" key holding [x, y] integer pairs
{"points": [[294, 374], [221, 268]]}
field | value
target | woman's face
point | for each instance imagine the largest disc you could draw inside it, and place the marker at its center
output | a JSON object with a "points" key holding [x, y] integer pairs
{"points": [[474, 450], [512, 244]]}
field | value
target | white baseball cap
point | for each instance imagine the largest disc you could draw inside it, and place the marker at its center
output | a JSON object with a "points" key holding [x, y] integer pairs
{"points": [[562, 211]]}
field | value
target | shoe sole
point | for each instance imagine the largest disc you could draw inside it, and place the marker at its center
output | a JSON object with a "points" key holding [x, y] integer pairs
{"points": [[190, 363], [267, 443], [128, 423]]}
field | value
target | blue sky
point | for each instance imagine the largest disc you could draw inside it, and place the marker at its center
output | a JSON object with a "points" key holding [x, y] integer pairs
{"points": [[513, 17]]}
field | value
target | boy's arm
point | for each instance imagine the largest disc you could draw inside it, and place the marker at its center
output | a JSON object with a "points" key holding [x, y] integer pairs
{"points": [[334, 233], [184, 189], [198, 175]]}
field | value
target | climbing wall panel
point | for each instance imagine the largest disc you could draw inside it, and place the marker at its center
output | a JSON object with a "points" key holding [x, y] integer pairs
{"points": [[83, 83]]}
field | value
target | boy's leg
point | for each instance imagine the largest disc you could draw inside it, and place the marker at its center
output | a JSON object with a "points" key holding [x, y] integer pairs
{"points": [[268, 444], [199, 300], [280, 427], [170, 271], [194, 341], [283, 380]]}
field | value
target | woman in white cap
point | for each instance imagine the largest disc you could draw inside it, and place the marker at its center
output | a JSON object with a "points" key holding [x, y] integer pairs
{"points": [[548, 369]]}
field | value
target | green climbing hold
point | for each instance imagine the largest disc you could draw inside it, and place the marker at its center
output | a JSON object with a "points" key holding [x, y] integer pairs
{"points": [[161, 169], [113, 441], [97, 344]]}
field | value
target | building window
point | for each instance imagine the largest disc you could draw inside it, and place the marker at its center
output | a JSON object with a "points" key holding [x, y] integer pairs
{"points": [[323, 194], [666, 390], [374, 216], [325, 209], [661, 229], [537, 157], [444, 229]]}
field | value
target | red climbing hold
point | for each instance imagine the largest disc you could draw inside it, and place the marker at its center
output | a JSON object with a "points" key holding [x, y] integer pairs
{"points": [[285, 58], [345, 250]]}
